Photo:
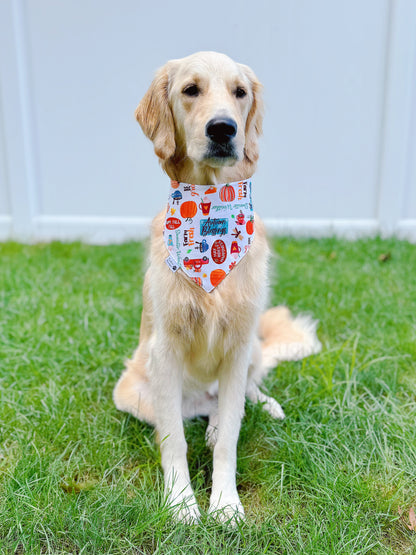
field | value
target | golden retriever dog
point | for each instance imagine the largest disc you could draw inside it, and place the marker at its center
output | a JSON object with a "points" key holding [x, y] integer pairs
{"points": [[203, 353]]}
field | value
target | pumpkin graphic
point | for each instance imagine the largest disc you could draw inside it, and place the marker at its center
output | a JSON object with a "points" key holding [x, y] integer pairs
{"points": [[227, 193], [174, 184], [216, 277], [250, 226], [188, 209]]}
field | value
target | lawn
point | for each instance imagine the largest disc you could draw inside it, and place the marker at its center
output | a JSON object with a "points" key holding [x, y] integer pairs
{"points": [[77, 476]]}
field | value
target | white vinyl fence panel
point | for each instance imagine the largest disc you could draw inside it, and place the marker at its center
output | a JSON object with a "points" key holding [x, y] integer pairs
{"points": [[339, 148]]}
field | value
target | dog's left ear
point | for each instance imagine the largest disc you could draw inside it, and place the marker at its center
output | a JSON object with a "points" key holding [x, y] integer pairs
{"points": [[254, 123], [155, 116]]}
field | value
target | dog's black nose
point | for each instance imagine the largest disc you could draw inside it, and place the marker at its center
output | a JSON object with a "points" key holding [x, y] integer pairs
{"points": [[221, 130]]}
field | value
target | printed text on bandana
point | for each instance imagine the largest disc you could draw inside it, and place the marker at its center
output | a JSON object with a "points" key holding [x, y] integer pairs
{"points": [[216, 226]]}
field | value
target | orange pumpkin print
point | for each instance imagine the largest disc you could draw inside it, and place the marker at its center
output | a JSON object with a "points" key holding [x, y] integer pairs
{"points": [[250, 227], [188, 209], [216, 277], [227, 193]]}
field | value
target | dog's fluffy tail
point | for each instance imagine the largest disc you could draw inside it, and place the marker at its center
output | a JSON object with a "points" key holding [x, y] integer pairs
{"points": [[284, 337]]}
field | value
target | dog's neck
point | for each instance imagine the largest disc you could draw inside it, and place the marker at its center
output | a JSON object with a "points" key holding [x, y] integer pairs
{"points": [[184, 170]]}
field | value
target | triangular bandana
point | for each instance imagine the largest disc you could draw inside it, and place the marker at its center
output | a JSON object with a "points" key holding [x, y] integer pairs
{"points": [[208, 229]]}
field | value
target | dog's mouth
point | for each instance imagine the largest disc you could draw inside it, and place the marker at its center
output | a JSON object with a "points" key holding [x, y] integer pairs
{"points": [[221, 154]]}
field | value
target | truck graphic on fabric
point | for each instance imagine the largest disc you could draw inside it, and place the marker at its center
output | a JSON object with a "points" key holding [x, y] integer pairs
{"points": [[195, 263]]}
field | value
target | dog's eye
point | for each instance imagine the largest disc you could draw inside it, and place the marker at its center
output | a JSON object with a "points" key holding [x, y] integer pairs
{"points": [[191, 90], [240, 92]]}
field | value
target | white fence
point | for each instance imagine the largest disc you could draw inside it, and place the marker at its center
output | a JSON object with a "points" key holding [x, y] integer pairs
{"points": [[339, 148]]}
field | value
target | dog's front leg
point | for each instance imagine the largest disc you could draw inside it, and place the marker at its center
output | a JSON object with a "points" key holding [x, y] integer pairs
{"points": [[225, 502], [166, 382]]}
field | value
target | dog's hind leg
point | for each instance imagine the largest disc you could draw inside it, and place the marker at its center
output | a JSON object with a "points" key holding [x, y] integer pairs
{"points": [[282, 337], [132, 392], [269, 404], [255, 374]]}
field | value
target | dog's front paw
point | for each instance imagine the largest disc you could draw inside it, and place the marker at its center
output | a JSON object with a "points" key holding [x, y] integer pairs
{"points": [[183, 506], [227, 510], [186, 513]]}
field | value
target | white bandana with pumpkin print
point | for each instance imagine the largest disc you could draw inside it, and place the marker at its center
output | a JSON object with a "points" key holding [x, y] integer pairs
{"points": [[208, 229]]}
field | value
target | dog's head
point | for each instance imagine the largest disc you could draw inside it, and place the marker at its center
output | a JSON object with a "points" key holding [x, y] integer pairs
{"points": [[205, 107]]}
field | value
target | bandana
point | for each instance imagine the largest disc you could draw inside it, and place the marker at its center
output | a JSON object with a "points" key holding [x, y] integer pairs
{"points": [[208, 229]]}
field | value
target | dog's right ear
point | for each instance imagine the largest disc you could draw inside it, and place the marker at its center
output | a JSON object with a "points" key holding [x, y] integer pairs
{"points": [[155, 116], [255, 117]]}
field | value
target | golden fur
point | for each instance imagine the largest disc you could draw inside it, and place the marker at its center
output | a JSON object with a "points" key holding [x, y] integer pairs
{"points": [[199, 352]]}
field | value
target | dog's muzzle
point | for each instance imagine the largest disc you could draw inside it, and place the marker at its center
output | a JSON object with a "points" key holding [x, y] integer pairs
{"points": [[221, 132]]}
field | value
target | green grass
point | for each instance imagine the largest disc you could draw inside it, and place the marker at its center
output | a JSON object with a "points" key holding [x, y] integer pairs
{"points": [[77, 476]]}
